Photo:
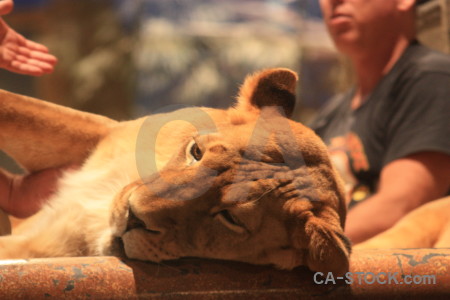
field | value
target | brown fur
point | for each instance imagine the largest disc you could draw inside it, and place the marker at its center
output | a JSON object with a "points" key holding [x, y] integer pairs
{"points": [[425, 227], [243, 184]]}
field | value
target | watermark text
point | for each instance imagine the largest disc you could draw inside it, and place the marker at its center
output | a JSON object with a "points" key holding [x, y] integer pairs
{"points": [[374, 278]]}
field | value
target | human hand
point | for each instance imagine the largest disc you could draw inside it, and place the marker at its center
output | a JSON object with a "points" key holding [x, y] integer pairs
{"points": [[23, 195], [6, 7], [20, 55]]}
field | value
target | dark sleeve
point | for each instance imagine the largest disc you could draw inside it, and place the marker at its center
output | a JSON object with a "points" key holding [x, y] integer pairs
{"points": [[420, 119]]}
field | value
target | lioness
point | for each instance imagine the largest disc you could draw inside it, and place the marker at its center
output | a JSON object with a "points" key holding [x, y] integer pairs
{"points": [[243, 184]]}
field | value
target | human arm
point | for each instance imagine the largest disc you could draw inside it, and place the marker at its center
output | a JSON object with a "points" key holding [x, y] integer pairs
{"points": [[405, 184], [23, 195]]}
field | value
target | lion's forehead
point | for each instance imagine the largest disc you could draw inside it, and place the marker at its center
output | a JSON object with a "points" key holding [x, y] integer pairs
{"points": [[256, 144], [252, 180], [258, 137]]}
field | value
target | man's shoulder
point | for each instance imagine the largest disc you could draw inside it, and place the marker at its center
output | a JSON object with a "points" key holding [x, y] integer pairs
{"points": [[425, 60]]}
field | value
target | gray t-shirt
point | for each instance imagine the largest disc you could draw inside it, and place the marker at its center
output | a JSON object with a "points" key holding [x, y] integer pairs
{"points": [[408, 112]]}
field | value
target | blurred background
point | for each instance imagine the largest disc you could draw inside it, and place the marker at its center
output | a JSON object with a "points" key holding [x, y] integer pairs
{"points": [[125, 59]]}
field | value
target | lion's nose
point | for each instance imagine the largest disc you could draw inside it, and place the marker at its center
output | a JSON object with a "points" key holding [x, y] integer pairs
{"points": [[136, 223]]}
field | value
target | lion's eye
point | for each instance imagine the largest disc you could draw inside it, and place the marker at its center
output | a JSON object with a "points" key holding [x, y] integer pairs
{"points": [[230, 221], [196, 152]]}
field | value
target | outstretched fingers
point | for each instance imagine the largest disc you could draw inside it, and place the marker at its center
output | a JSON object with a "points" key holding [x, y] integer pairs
{"points": [[34, 58], [42, 60], [26, 68]]}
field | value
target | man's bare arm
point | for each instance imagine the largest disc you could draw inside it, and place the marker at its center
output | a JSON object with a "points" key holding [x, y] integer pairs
{"points": [[405, 184]]}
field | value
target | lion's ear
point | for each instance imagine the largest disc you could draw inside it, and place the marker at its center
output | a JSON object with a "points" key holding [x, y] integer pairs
{"points": [[322, 243], [271, 87]]}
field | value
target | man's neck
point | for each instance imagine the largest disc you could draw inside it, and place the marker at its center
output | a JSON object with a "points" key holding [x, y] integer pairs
{"points": [[371, 66]]}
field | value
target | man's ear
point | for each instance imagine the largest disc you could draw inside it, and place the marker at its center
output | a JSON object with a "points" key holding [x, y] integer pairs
{"points": [[322, 243], [271, 87]]}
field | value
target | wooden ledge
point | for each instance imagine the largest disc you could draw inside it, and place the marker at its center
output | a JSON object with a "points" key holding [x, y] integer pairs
{"points": [[111, 278]]}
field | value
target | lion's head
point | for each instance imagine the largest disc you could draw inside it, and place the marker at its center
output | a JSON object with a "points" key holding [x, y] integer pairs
{"points": [[256, 188]]}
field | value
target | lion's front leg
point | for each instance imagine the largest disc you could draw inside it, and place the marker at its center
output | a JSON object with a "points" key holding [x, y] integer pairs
{"points": [[41, 135]]}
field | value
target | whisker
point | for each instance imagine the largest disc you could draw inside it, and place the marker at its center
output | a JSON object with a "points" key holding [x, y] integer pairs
{"points": [[263, 195]]}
